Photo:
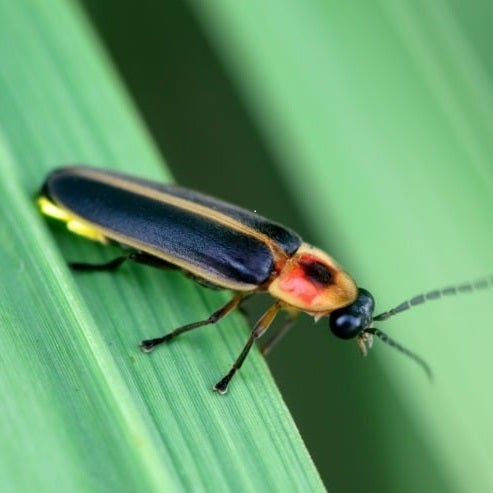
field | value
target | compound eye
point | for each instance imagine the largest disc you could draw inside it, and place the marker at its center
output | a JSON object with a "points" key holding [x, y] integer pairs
{"points": [[344, 324], [349, 321]]}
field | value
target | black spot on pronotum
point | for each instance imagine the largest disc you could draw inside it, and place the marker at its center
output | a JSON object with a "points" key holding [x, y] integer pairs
{"points": [[317, 272]]}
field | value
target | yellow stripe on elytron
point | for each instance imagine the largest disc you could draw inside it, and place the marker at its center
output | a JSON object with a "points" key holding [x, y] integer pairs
{"points": [[74, 224], [84, 229], [183, 264], [200, 210], [48, 208], [97, 233]]}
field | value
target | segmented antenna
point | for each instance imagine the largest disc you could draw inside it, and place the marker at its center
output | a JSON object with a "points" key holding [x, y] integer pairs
{"points": [[385, 338], [435, 295], [484, 283]]}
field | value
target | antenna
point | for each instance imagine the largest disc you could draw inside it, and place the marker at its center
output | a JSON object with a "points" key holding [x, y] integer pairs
{"points": [[418, 359], [419, 300], [435, 295]]}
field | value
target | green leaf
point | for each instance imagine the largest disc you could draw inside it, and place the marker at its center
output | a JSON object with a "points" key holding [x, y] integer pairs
{"points": [[380, 116], [82, 408]]}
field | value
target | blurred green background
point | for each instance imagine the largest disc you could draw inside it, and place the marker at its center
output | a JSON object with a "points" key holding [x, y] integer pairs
{"points": [[392, 101]]}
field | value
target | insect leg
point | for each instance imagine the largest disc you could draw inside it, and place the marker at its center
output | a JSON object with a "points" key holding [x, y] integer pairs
{"points": [[149, 344], [258, 330], [279, 335], [109, 266], [139, 257]]}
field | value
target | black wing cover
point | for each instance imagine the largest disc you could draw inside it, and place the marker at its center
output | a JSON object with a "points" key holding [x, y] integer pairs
{"points": [[181, 233]]}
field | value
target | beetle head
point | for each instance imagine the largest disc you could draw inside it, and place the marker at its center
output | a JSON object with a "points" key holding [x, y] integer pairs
{"points": [[355, 321], [350, 321]]}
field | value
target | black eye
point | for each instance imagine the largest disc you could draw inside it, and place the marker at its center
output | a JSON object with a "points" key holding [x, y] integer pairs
{"points": [[317, 272], [348, 322], [345, 325]]}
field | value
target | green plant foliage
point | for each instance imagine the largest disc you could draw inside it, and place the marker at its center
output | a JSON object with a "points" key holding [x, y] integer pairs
{"points": [[82, 408], [380, 116]]}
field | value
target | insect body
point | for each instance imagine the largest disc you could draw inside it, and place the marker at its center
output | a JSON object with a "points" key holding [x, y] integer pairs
{"points": [[217, 244]]}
